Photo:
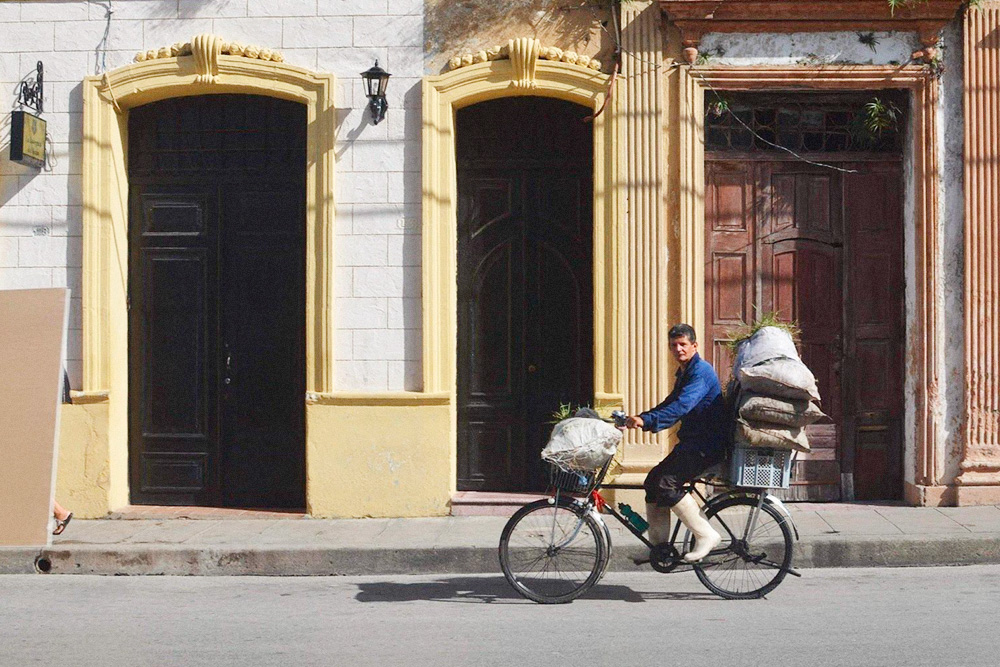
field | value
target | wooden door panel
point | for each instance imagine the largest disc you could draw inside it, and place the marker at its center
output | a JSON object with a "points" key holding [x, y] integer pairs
{"points": [[172, 391], [263, 462], [874, 345], [494, 327], [805, 285], [524, 284], [175, 359], [730, 259], [562, 348]]}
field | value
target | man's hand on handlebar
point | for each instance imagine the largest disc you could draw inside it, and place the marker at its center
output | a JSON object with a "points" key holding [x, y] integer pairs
{"points": [[634, 421], [623, 421]]}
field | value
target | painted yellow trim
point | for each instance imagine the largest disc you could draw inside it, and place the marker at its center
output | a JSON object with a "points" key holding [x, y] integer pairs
{"points": [[107, 100], [443, 95], [88, 398], [401, 398]]}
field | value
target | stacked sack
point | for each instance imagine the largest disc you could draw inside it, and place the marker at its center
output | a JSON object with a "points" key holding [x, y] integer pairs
{"points": [[777, 395]]}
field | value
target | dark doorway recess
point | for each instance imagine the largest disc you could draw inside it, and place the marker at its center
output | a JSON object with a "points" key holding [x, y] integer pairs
{"points": [[823, 247], [217, 302], [525, 283]]}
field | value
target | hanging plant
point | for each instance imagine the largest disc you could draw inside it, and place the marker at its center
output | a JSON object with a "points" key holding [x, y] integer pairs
{"points": [[718, 107], [876, 121]]}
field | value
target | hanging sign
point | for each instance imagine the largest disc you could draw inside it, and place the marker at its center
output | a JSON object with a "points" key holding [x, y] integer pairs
{"points": [[27, 139]]}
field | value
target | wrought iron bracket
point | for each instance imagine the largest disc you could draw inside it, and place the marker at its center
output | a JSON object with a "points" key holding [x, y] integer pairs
{"points": [[30, 92]]}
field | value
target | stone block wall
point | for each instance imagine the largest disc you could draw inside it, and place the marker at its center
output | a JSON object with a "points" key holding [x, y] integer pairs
{"points": [[378, 167]]}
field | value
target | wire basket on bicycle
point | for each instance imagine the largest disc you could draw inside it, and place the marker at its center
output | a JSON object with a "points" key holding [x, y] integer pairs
{"points": [[578, 482]]}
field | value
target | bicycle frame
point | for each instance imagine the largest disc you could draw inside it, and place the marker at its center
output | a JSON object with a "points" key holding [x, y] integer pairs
{"points": [[600, 506]]}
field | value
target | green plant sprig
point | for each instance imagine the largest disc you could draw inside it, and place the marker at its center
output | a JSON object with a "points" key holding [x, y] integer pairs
{"points": [[768, 319]]}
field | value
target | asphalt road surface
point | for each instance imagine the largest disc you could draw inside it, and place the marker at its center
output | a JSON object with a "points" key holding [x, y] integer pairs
{"points": [[921, 616]]}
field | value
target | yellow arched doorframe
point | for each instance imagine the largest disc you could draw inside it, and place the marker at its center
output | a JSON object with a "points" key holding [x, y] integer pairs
{"points": [[443, 95], [107, 100]]}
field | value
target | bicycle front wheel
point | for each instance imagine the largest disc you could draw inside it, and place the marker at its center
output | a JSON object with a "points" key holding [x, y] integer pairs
{"points": [[552, 553], [750, 562]]}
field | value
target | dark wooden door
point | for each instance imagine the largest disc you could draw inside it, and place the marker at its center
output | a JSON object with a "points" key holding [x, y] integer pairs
{"points": [[217, 302], [802, 241], [525, 280]]}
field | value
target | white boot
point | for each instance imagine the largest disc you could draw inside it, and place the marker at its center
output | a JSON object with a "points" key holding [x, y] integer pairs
{"points": [[659, 523], [705, 537]]}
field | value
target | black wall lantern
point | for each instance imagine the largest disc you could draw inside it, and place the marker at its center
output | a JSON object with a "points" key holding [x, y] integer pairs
{"points": [[376, 80]]}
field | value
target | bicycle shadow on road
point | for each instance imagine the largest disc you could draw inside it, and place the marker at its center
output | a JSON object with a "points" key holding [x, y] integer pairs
{"points": [[496, 590]]}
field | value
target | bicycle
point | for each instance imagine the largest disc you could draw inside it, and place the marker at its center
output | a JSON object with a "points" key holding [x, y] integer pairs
{"points": [[555, 549]]}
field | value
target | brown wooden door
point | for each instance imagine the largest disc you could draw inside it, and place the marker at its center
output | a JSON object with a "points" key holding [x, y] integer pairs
{"points": [[801, 240], [217, 302], [525, 284], [873, 359]]}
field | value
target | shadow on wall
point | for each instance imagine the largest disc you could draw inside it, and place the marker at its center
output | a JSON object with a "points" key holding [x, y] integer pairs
{"points": [[395, 147], [41, 214], [452, 26]]}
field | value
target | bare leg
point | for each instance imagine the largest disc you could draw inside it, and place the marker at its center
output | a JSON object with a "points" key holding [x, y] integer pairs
{"points": [[59, 511], [62, 518]]}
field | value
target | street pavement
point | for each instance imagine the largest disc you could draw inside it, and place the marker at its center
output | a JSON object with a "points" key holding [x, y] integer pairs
{"points": [[830, 535], [878, 617]]}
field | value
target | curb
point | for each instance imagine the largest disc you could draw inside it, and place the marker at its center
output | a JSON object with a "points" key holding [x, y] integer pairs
{"points": [[139, 560]]}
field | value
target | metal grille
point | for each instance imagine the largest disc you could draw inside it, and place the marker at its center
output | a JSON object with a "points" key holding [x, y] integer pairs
{"points": [[799, 123], [761, 467], [571, 481], [238, 136]]}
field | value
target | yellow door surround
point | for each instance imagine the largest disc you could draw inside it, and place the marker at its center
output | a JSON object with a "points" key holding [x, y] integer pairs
{"points": [[524, 73], [213, 67]]}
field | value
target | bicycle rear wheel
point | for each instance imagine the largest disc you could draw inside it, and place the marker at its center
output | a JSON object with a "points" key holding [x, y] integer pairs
{"points": [[552, 553], [745, 566]]}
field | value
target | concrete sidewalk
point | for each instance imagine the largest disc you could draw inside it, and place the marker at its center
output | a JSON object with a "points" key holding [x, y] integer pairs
{"points": [[831, 535]]}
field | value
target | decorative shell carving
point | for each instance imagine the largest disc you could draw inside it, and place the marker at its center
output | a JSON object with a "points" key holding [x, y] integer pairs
{"points": [[518, 51], [206, 50], [523, 56]]}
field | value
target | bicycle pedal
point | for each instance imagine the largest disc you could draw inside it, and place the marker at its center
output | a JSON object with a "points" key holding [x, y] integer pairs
{"points": [[641, 561]]}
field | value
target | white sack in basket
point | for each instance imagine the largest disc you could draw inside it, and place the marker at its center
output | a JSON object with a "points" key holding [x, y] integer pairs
{"points": [[582, 443], [768, 343]]}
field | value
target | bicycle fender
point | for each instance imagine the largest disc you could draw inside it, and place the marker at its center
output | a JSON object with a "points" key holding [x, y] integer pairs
{"points": [[768, 498], [780, 506]]}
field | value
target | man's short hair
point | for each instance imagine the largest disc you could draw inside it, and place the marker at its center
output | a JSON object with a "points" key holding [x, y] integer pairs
{"points": [[683, 330]]}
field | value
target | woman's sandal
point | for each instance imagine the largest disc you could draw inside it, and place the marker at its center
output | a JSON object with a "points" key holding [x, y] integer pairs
{"points": [[61, 524]]}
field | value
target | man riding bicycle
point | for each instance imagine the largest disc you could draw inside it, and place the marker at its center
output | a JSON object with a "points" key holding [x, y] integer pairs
{"points": [[697, 403]]}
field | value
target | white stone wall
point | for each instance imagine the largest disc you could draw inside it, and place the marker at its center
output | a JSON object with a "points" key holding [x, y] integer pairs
{"points": [[378, 177]]}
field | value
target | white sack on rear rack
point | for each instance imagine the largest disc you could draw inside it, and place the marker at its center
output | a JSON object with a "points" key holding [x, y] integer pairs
{"points": [[780, 378], [581, 443], [781, 411], [768, 343], [761, 434]]}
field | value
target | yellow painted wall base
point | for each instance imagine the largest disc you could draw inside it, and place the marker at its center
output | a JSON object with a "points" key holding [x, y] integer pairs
{"points": [[83, 473], [378, 460]]}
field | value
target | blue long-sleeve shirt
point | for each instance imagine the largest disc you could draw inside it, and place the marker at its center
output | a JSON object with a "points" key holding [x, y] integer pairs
{"points": [[697, 403]]}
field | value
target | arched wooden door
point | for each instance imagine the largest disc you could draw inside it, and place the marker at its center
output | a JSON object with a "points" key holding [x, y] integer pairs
{"points": [[217, 302], [525, 283]]}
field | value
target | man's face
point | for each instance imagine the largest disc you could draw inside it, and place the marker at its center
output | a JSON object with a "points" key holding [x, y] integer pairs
{"points": [[682, 349]]}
